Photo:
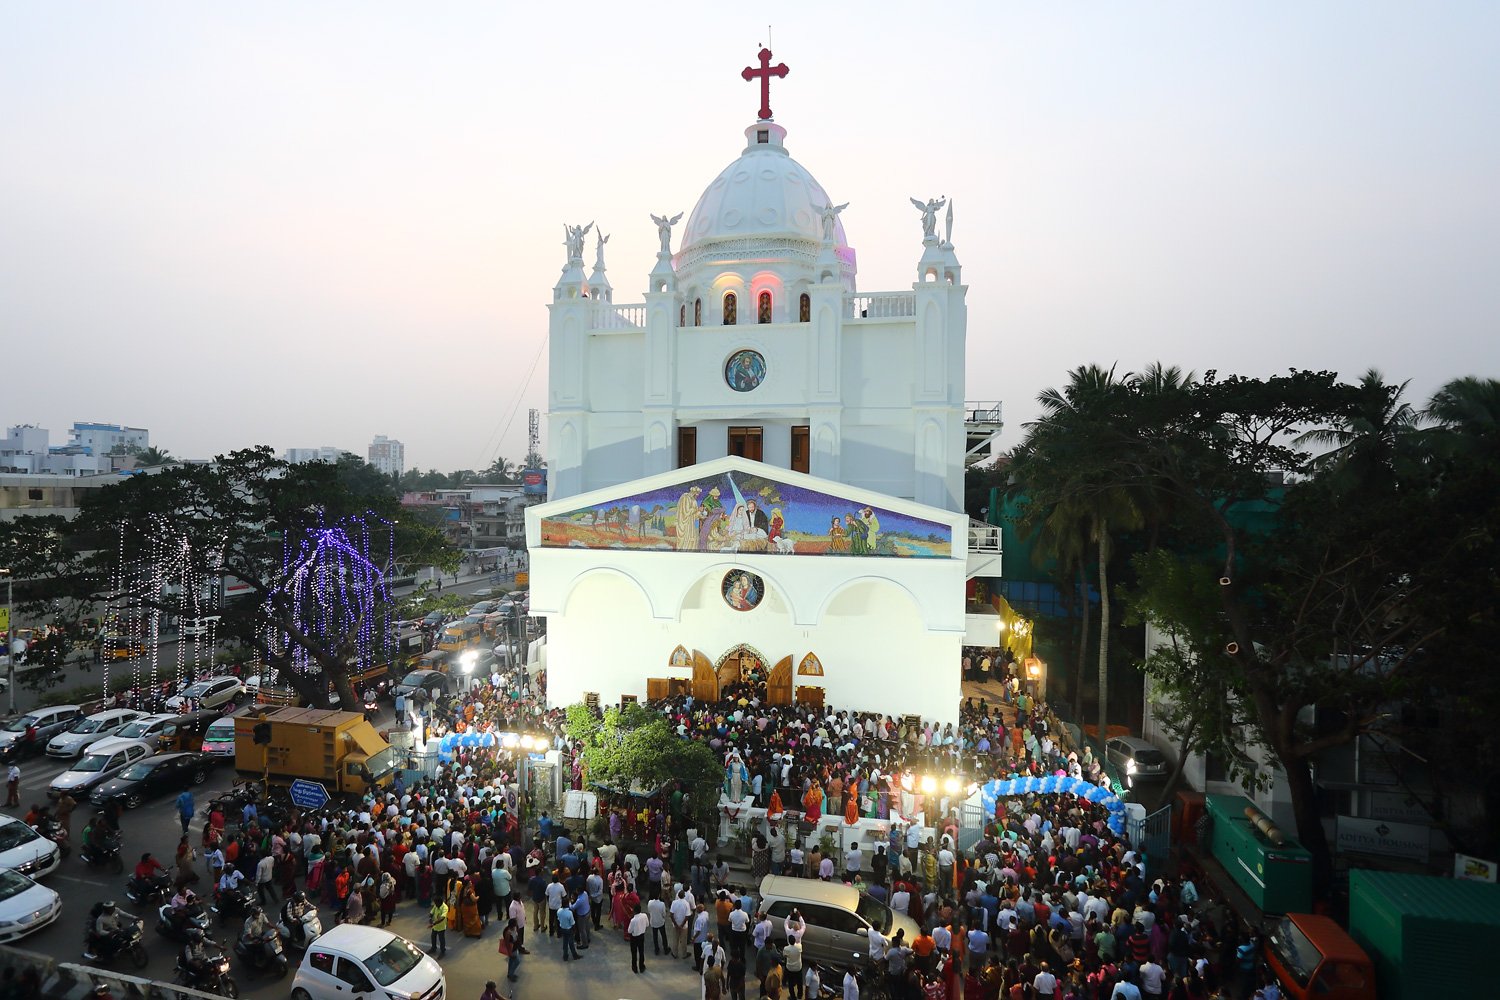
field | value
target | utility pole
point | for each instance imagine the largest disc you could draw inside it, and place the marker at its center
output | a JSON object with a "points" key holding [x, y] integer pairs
{"points": [[10, 656]]}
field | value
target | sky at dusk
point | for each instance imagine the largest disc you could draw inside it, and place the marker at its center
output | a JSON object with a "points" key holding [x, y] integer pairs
{"points": [[305, 224]]}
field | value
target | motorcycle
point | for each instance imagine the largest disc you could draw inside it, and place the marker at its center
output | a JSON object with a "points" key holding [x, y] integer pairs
{"points": [[264, 955], [174, 925], [304, 932], [211, 976], [129, 941], [234, 800], [53, 830], [148, 891], [106, 855], [233, 902]]}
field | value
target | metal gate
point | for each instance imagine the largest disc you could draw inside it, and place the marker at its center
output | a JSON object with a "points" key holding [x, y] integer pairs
{"points": [[1152, 837], [971, 820]]}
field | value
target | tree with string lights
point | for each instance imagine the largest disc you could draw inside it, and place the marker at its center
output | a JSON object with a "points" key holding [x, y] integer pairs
{"points": [[303, 549]]}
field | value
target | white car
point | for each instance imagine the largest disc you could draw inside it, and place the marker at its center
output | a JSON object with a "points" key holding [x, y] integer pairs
{"points": [[200, 626], [354, 960], [147, 727], [71, 742], [24, 850], [103, 761], [25, 907], [211, 692]]}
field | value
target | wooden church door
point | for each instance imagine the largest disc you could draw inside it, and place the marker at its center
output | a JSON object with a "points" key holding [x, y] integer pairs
{"points": [[705, 681], [779, 683]]}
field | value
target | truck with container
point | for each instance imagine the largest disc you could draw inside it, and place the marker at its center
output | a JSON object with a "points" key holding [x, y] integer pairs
{"points": [[340, 750], [1427, 936]]}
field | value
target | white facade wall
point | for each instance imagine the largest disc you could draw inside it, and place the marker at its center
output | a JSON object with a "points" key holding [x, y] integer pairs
{"points": [[883, 398], [614, 619]]}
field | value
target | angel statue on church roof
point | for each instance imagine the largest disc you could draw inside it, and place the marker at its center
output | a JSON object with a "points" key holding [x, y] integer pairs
{"points": [[929, 210], [664, 230], [599, 254], [574, 240], [830, 213]]}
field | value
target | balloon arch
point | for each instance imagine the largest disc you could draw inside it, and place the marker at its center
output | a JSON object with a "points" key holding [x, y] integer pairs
{"points": [[991, 792]]}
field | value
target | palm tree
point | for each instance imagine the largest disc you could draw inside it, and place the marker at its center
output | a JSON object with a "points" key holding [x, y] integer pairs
{"points": [[1467, 411], [153, 456], [501, 469], [1076, 464], [1381, 437]]}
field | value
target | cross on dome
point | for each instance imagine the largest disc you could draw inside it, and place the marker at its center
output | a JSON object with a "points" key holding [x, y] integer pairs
{"points": [[765, 73]]}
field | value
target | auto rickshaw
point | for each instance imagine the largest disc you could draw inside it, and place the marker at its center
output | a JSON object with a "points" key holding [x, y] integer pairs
{"points": [[186, 731]]}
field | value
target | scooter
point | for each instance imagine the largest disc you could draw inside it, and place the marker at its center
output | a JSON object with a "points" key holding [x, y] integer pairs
{"points": [[129, 942], [264, 955], [304, 932]]}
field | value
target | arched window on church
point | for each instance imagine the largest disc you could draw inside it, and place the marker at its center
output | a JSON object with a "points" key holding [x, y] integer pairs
{"points": [[682, 315], [763, 308], [804, 308], [731, 309], [697, 312]]}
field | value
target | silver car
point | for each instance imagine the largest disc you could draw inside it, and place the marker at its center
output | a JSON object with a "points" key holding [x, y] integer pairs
{"points": [[71, 742]]}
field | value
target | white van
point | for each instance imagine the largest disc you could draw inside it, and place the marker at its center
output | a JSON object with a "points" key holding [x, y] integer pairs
{"points": [[838, 917], [218, 738], [356, 960]]}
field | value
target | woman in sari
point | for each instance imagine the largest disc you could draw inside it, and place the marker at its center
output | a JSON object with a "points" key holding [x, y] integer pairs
{"points": [[812, 803], [455, 905], [619, 886], [469, 905]]}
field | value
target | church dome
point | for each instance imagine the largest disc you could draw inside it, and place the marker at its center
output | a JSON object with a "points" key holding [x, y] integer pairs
{"points": [[765, 196]]}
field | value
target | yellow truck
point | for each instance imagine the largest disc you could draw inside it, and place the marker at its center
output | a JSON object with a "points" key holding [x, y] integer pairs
{"points": [[461, 636], [339, 749]]}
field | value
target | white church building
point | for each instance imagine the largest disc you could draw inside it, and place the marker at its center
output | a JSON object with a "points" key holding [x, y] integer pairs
{"points": [[757, 473]]}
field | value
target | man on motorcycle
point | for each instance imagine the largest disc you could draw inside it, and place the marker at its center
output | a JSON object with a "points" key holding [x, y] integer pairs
{"points": [[292, 913], [148, 868], [95, 835], [109, 929], [230, 880], [195, 955], [255, 927]]}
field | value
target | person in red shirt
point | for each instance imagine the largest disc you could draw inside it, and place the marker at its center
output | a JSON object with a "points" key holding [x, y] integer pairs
{"points": [[147, 867]]}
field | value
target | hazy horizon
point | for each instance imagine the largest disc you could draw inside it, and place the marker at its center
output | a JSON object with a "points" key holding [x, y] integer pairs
{"points": [[309, 224]]}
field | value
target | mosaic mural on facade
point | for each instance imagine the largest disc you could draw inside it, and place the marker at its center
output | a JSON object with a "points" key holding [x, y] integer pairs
{"points": [[735, 512]]}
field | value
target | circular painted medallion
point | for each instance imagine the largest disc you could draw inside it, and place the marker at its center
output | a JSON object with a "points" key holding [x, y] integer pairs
{"points": [[743, 590], [745, 370]]}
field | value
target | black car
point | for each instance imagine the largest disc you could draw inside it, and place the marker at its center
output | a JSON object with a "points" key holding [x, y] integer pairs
{"points": [[168, 772]]}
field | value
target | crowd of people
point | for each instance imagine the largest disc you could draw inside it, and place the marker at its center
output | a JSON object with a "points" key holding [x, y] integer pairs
{"points": [[1049, 903]]}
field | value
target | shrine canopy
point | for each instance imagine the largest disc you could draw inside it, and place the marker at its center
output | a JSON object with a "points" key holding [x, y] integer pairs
{"points": [[991, 792]]}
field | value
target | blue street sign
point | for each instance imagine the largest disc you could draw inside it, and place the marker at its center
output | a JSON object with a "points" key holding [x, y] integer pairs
{"points": [[308, 794]]}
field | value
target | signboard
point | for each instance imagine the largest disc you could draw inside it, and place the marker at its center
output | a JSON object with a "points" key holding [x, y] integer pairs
{"points": [[1396, 806], [4, 619], [308, 794], [1474, 869], [1378, 836], [534, 482]]}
